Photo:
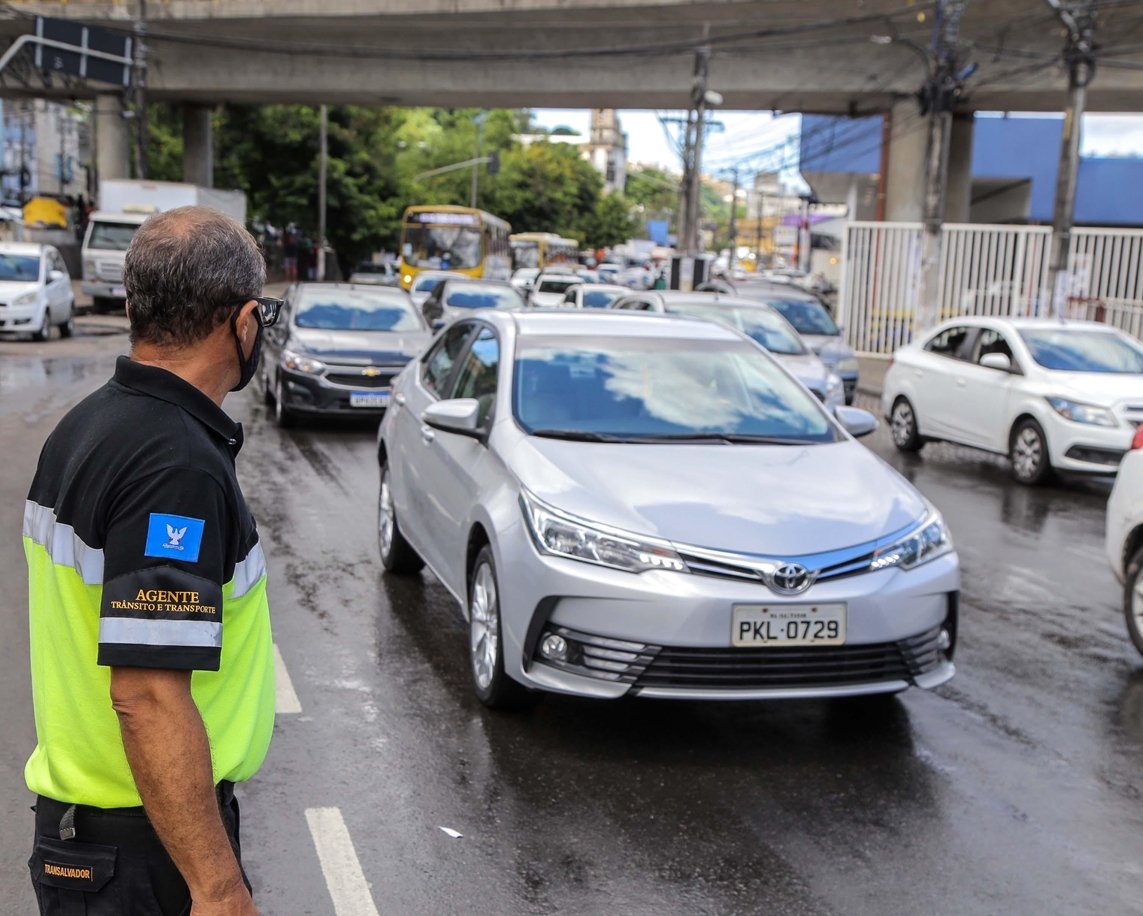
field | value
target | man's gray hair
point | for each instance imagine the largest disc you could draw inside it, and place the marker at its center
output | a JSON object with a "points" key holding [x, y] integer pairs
{"points": [[186, 272]]}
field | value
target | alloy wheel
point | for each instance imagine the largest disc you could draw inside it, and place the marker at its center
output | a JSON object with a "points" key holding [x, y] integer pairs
{"points": [[484, 626], [1027, 453], [385, 516]]}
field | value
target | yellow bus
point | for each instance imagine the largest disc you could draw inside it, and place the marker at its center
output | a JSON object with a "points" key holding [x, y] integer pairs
{"points": [[542, 249], [458, 239]]}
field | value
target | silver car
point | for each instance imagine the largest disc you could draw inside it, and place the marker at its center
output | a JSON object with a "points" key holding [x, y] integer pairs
{"points": [[759, 321], [646, 505]]}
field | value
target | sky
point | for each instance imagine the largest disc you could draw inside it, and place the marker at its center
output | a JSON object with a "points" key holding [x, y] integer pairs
{"points": [[748, 133]]}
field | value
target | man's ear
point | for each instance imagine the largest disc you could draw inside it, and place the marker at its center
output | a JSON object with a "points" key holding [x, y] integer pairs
{"points": [[245, 317]]}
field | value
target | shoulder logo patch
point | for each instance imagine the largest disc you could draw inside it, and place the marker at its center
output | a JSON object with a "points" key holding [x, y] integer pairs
{"points": [[174, 537]]}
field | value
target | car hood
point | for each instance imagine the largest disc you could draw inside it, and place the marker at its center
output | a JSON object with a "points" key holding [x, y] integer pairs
{"points": [[786, 500], [807, 369], [1102, 388], [10, 289], [364, 347]]}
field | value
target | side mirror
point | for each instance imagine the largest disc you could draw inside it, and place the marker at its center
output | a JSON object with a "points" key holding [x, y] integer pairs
{"points": [[54, 276], [857, 422], [999, 361], [459, 415]]}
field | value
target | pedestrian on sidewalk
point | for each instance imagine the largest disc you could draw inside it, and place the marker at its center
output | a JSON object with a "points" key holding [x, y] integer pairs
{"points": [[144, 567]]}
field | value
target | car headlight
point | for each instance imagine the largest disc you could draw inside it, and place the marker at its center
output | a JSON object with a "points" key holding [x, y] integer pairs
{"points": [[301, 363], [559, 534], [834, 386], [1083, 413], [929, 540], [849, 364], [27, 298]]}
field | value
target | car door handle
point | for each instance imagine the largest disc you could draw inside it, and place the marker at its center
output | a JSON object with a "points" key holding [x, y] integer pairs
{"points": [[427, 435], [399, 399], [960, 383]]}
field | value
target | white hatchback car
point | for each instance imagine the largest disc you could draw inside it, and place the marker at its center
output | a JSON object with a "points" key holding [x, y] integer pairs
{"points": [[35, 291], [1048, 393], [1125, 536]]}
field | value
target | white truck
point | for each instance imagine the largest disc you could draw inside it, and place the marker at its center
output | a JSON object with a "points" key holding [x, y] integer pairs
{"points": [[123, 207]]}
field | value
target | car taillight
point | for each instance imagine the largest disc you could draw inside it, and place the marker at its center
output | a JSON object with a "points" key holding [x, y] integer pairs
{"points": [[1137, 442]]}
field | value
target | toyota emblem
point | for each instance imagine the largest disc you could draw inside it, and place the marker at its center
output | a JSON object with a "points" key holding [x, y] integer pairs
{"points": [[790, 579]]}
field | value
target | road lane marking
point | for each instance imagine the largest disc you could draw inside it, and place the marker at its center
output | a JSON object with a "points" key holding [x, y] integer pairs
{"points": [[339, 863], [286, 701]]}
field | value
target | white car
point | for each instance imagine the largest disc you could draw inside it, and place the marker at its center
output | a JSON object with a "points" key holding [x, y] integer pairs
{"points": [[35, 291], [1049, 394], [592, 295], [524, 277], [550, 289], [427, 280], [1125, 536]]}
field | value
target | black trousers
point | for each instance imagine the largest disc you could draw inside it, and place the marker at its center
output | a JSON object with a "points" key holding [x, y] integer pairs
{"points": [[115, 864]]}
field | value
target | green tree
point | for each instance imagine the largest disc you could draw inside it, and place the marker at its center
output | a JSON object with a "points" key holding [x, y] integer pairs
{"points": [[164, 142], [611, 222], [656, 191]]}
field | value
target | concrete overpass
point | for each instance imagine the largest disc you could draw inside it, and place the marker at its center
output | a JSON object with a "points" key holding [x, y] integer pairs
{"points": [[793, 55]]}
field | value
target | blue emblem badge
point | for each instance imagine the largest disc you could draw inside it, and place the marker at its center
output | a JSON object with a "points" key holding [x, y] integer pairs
{"points": [[174, 537]]}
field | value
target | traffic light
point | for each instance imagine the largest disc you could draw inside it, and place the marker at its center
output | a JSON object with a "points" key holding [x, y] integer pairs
{"points": [[494, 162]]}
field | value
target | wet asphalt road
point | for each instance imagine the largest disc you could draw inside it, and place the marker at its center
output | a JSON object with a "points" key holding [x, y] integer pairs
{"points": [[1014, 789]]}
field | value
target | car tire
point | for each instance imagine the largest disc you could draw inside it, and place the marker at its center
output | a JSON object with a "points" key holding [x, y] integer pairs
{"points": [[283, 416], [267, 390], [44, 331], [1133, 599], [397, 555], [1028, 453], [903, 426], [493, 687], [67, 328]]}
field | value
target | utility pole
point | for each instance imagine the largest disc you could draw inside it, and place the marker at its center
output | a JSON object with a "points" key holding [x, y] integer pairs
{"points": [[939, 98], [1079, 53], [733, 228], [473, 195], [141, 90], [323, 162], [699, 101]]}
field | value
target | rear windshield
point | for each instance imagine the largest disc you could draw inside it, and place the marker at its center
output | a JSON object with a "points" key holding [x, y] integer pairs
{"points": [[356, 310], [481, 296], [807, 317]]}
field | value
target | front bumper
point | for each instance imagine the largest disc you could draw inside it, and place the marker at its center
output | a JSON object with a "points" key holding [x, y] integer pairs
{"points": [[15, 319], [1080, 448], [668, 635], [99, 289], [325, 394]]}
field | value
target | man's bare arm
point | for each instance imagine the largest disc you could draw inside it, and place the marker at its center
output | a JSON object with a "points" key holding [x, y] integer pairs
{"points": [[169, 755]]}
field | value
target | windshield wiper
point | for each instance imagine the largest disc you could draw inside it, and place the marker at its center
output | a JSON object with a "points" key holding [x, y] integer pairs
{"points": [[577, 435], [729, 438]]}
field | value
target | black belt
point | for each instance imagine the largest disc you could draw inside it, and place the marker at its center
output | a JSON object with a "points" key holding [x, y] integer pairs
{"points": [[66, 813]]}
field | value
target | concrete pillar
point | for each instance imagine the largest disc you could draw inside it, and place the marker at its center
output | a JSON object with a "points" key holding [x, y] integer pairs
{"points": [[112, 138], [908, 146], [198, 145], [958, 202]]}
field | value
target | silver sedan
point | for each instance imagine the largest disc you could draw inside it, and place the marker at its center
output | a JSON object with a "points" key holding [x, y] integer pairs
{"points": [[653, 506]]}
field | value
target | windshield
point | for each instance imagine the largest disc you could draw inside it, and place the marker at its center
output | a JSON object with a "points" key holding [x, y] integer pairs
{"points": [[1075, 350], [807, 317], [442, 247], [560, 285], [112, 236], [760, 323], [427, 284], [481, 296], [600, 298], [526, 254], [356, 310], [19, 267], [648, 388]]}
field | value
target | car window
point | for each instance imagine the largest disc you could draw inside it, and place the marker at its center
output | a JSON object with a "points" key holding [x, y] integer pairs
{"points": [[634, 305], [1078, 350], [476, 377], [427, 284], [23, 267], [464, 295], [557, 285], [440, 360], [991, 341], [340, 309], [759, 323], [807, 317], [950, 342], [599, 298]]}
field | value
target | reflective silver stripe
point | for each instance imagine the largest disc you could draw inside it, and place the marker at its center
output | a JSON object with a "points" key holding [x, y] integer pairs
{"points": [[142, 632], [62, 543], [248, 572]]}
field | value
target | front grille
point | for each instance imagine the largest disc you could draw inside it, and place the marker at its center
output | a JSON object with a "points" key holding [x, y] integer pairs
{"points": [[357, 380], [790, 667], [649, 666], [730, 567], [110, 270]]}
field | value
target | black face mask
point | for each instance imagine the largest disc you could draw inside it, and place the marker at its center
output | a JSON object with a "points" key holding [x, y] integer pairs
{"points": [[246, 367]]}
